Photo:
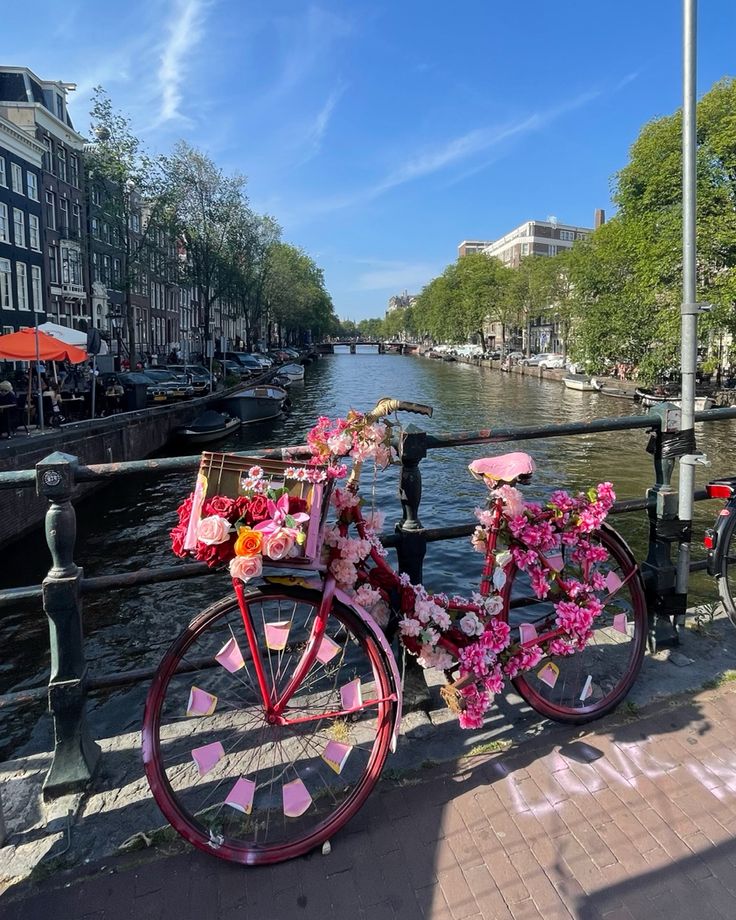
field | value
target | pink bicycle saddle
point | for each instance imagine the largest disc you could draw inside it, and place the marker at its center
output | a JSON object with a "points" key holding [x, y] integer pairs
{"points": [[506, 468]]}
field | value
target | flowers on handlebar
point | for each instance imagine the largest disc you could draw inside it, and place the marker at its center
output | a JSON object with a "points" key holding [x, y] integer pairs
{"points": [[353, 436]]}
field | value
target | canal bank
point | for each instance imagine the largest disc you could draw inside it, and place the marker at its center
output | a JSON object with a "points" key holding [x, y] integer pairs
{"points": [[113, 439]]}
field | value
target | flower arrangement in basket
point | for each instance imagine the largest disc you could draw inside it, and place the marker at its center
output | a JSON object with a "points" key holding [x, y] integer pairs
{"points": [[246, 512]]}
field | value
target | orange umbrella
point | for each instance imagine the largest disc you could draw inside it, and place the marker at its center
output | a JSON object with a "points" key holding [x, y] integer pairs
{"points": [[31, 345]]}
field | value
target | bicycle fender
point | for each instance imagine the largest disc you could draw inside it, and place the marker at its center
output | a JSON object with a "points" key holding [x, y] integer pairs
{"points": [[715, 555], [379, 636]]}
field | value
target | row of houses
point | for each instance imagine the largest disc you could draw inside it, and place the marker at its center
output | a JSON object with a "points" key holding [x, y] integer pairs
{"points": [[61, 258]]}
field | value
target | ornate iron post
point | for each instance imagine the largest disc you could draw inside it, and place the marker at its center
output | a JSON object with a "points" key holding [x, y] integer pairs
{"points": [[412, 544], [75, 752]]}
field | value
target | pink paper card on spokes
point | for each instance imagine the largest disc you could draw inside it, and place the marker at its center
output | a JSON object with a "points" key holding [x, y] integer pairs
{"points": [[555, 561], [296, 798], [327, 650], [613, 582], [549, 674], [351, 695], [620, 623], [277, 635], [208, 756], [335, 754], [230, 656], [527, 633], [201, 703], [587, 688], [241, 795]]}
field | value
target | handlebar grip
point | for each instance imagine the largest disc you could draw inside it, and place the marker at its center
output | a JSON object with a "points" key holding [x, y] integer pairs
{"points": [[386, 406]]}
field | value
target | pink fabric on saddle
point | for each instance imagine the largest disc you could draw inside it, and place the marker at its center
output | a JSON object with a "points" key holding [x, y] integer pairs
{"points": [[505, 468]]}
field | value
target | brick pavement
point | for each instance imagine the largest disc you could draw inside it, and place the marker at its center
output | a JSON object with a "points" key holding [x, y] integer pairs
{"points": [[632, 820]]}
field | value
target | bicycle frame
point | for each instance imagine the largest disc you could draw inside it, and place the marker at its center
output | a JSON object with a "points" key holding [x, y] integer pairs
{"points": [[274, 708]]}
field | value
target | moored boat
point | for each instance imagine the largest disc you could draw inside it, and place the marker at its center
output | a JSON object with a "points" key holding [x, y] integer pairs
{"points": [[649, 399], [292, 371], [257, 403], [208, 427], [578, 382], [613, 392]]}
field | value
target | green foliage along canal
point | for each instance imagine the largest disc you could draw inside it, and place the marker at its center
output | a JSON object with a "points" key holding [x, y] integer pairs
{"points": [[126, 526]]}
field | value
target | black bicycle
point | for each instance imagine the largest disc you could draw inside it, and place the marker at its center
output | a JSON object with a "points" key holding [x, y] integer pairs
{"points": [[720, 543]]}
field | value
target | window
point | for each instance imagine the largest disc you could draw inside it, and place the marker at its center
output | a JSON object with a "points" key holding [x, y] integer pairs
{"points": [[74, 170], [59, 107], [32, 185], [51, 210], [95, 228], [95, 195], [77, 219], [64, 213], [71, 272], [525, 249], [135, 222], [95, 266], [21, 276], [48, 157], [116, 271], [34, 233], [19, 228], [37, 288], [567, 235], [53, 266], [106, 271], [3, 175], [552, 250], [6, 293], [105, 231], [17, 174], [4, 228], [61, 156]]}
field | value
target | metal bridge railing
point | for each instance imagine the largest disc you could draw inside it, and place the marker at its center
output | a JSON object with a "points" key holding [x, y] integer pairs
{"points": [[76, 753]]}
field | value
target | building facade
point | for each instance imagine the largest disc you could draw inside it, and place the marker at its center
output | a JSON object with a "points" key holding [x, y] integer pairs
{"points": [[470, 246], [22, 282], [400, 302], [39, 107], [535, 238]]}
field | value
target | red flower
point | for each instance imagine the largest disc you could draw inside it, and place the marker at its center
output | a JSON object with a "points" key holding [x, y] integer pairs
{"points": [[221, 505], [178, 535], [297, 505], [185, 509], [215, 554], [258, 509]]}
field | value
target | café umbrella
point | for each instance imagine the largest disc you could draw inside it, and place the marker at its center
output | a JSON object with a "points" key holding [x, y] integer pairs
{"points": [[31, 345]]}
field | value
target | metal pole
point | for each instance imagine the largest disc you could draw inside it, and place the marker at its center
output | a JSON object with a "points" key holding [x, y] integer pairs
{"points": [[689, 308], [39, 396]]}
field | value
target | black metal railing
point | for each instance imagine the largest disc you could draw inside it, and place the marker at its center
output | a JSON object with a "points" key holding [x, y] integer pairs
{"points": [[55, 478]]}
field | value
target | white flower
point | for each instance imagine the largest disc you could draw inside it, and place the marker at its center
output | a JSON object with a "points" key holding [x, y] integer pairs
{"points": [[441, 618], [408, 626], [435, 658], [471, 625]]}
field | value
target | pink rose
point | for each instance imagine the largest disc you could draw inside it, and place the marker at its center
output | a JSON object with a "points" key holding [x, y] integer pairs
{"points": [[213, 530], [278, 545], [246, 567]]}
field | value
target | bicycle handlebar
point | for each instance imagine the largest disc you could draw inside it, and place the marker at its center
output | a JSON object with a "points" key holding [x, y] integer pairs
{"points": [[386, 406]]}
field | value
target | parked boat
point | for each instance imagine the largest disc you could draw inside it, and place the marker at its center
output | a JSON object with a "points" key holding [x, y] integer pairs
{"points": [[613, 392], [292, 371], [208, 427], [257, 403], [578, 382], [652, 399]]}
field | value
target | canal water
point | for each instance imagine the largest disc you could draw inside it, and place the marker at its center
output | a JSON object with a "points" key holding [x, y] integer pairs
{"points": [[125, 527]]}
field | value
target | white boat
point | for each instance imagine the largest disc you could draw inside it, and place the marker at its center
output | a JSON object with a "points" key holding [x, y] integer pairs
{"points": [[292, 371], [651, 399], [578, 382], [257, 403]]}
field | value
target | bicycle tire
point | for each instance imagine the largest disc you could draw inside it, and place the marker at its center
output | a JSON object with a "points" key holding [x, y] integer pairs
{"points": [[726, 590], [193, 803], [609, 664]]}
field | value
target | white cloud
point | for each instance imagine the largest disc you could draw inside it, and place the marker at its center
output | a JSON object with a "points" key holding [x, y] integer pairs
{"points": [[185, 30], [316, 130]]}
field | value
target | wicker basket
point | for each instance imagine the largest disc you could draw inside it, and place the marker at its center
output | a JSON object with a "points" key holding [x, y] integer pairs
{"points": [[222, 474]]}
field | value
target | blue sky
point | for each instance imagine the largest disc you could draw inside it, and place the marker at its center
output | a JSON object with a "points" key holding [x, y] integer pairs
{"points": [[380, 134]]}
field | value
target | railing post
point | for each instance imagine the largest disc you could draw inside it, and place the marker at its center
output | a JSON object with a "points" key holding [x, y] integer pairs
{"points": [[75, 752], [658, 570], [412, 544]]}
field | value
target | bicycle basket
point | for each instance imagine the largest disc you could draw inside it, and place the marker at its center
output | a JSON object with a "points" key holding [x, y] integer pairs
{"points": [[229, 475]]}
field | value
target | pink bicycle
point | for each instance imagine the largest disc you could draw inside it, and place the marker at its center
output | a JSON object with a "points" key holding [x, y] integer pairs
{"points": [[272, 714]]}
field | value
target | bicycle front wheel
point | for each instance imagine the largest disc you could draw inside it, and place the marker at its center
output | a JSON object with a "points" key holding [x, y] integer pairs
{"points": [[588, 684], [726, 576], [237, 786]]}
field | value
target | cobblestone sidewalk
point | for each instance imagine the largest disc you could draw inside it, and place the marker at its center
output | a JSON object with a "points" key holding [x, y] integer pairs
{"points": [[634, 820]]}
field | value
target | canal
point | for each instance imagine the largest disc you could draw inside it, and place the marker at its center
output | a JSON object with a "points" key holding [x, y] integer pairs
{"points": [[125, 527]]}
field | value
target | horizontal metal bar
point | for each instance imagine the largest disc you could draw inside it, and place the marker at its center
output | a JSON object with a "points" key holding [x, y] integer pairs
{"points": [[23, 697], [11, 596], [146, 577], [17, 479]]}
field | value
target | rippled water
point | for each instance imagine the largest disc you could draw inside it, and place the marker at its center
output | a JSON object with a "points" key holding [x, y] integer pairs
{"points": [[125, 527]]}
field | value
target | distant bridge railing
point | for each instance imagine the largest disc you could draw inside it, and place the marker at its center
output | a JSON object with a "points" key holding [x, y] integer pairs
{"points": [[76, 753]]}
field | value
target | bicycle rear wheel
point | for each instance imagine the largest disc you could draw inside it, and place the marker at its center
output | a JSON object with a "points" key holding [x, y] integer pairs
{"points": [[726, 576], [243, 789], [590, 683]]}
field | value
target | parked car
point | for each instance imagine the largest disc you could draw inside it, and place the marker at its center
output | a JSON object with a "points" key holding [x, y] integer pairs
{"points": [[250, 363], [175, 387], [134, 395], [196, 376], [541, 360], [553, 363], [234, 369], [515, 356]]}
